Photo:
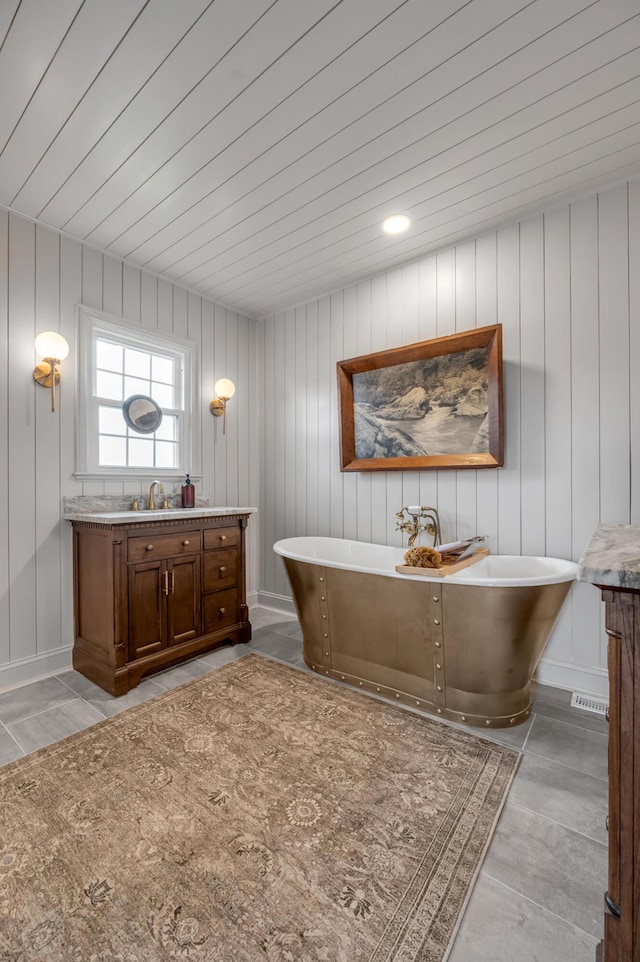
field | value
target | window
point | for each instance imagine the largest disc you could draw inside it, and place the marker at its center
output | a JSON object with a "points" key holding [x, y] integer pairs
{"points": [[117, 364]]}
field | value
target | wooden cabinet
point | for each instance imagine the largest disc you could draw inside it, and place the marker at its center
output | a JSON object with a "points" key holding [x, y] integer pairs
{"points": [[150, 594], [622, 899]]}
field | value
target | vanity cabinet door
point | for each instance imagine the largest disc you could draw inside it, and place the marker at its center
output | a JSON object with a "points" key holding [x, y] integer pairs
{"points": [[184, 599], [147, 608]]}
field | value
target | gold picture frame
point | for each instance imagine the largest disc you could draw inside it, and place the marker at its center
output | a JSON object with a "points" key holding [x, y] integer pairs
{"points": [[427, 406]]}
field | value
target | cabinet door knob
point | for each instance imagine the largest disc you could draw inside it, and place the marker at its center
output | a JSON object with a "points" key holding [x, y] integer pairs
{"points": [[185, 542], [221, 610], [223, 537], [223, 568], [149, 547]]}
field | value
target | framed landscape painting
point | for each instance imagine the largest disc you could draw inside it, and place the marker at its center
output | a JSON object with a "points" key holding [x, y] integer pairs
{"points": [[436, 404]]}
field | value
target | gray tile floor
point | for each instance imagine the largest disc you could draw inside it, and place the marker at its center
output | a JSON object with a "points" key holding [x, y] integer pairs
{"points": [[538, 897]]}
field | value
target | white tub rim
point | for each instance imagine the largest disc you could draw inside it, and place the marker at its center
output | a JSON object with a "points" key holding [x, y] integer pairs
{"points": [[490, 572]]}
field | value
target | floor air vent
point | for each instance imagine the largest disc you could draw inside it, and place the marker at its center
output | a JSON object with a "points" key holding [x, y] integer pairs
{"points": [[587, 703]]}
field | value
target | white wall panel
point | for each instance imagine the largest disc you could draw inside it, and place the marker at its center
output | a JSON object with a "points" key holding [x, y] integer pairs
{"points": [[561, 286], [43, 276]]}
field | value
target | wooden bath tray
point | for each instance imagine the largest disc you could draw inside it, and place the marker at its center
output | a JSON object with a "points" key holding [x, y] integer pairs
{"points": [[445, 570]]}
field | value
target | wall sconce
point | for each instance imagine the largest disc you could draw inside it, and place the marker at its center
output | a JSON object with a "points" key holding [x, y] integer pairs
{"points": [[53, 349], [224, 389]]}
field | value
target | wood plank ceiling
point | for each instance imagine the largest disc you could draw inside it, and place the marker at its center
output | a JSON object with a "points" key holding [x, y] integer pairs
{"points": [[249, 149]]}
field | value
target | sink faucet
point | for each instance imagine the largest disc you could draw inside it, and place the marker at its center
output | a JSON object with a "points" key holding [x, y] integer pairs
{"points": [[414, 526], [152, 503]]}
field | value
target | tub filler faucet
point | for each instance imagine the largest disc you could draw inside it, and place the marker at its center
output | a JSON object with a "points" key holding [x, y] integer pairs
{"points": [[416, 519]]}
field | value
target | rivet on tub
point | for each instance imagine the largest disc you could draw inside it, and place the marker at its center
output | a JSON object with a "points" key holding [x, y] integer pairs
{"points": [[341, 677], [439, 687], [435, 621], [463, 718], [377, 689], [437, 644], [322, 598], [325, 617], [512, 721], [435, 598], [325, 635], [439, 711], [488, 721], [417, 703], [361, 683], [326, 654], [397, 695], [438, 666], [322, 579]]}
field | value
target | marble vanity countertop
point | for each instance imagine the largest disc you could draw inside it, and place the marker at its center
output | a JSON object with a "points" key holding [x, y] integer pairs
{"points": [[612, 557], [159, 514]]}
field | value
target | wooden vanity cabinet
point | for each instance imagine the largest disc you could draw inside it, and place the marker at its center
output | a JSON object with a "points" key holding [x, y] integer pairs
{"points": [[622, 899], [150, 594]]}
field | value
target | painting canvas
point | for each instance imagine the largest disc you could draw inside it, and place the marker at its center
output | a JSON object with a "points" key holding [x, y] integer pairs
{"points": [[435, 404]]}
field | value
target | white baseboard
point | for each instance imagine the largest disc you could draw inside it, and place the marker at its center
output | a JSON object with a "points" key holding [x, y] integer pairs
{"points": [[34, 668], [252, 599], [279, 602], [581, 678]]}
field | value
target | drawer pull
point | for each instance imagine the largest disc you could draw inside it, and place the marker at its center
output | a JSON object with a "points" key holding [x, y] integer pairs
{"points": [[606, 823], [165, 579], [221, 610], [223, 537], [186, 542], [222, 569], [149, 547]]}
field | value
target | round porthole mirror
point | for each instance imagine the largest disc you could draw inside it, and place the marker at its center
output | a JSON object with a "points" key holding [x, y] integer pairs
{"points": [[142, 414]]}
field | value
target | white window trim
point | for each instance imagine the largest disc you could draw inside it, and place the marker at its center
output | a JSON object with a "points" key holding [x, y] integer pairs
{"points": [[88, 324]]}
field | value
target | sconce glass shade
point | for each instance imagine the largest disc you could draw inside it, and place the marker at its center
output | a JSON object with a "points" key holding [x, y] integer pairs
{"points": [[51, 344], [225, 388]]}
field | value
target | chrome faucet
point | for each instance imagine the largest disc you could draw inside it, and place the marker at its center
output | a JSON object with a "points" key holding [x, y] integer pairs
{"points": [[413, 526], [152, 503]]}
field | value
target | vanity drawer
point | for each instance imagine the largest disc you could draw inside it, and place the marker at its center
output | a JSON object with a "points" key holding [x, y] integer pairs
{"points": [[220, 610], [220, 569], [154, 545], [220, 537]]}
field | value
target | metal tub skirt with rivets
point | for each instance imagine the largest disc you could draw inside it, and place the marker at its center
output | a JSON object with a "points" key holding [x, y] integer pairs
{"points": [[463, 647]]}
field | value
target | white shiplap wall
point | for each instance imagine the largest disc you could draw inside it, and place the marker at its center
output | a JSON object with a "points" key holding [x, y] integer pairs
{"points": [[566, 288], [43, 276]]}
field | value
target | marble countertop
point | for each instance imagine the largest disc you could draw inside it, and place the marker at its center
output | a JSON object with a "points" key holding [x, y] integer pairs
{"points": [[612, 557], [160, 514]]}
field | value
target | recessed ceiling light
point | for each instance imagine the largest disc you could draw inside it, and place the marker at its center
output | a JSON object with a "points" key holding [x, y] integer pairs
{"points": [[396, 224]]}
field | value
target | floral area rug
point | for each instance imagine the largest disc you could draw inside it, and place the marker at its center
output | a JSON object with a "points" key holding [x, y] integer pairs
{"points": [[257, 813]]}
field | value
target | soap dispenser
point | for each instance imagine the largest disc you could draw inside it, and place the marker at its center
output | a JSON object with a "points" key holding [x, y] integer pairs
{"points": [[188, 494]]}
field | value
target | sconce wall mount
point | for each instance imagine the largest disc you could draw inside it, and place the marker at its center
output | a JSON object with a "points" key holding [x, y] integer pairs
{"points": [[52, 348], [225, 389]]}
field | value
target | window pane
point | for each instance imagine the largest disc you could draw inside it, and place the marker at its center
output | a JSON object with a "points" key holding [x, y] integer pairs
{"points": [[163, 394], [111, 421], [113, 451], [137, 363], [166, 454], [141, 452], [109, 356], [135, 385], [109, 385], [168, 430], [162, 369]]}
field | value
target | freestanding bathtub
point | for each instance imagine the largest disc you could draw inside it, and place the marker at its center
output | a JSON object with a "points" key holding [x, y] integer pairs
{"points": [[464, 647]]}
